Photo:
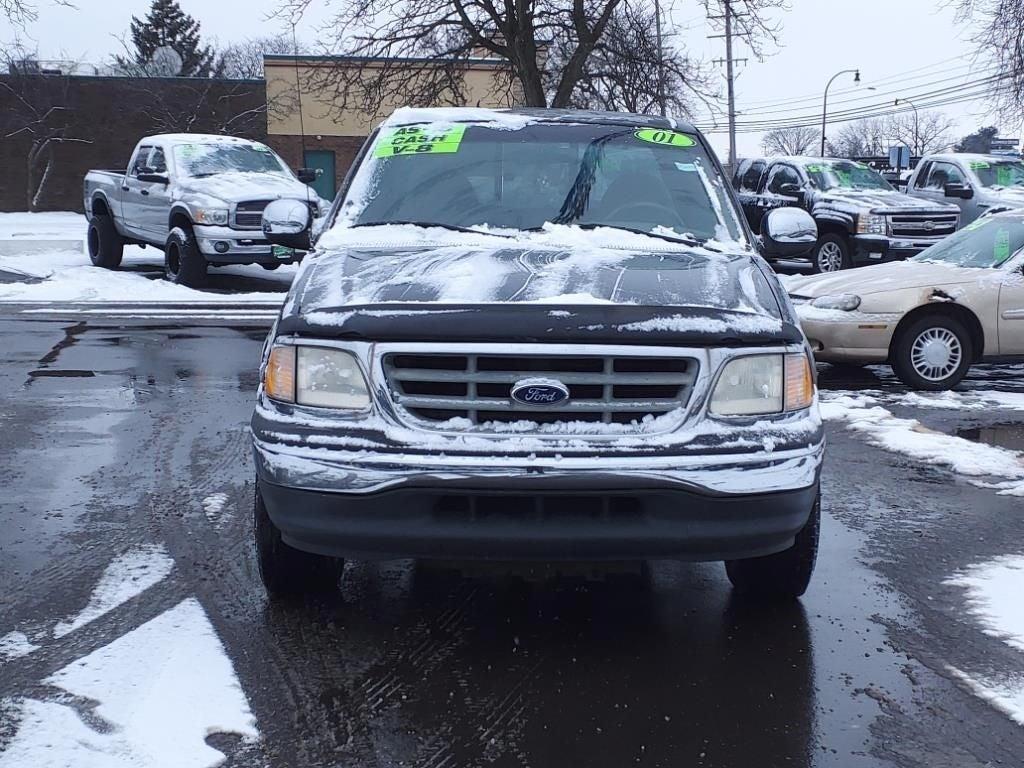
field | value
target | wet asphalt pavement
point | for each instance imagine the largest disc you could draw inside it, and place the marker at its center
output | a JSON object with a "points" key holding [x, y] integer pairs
{"points": [[113, 437]]}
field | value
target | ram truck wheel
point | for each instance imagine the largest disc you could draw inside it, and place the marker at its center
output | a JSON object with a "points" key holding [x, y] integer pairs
{"points": [[106, 246], [183, 263]]}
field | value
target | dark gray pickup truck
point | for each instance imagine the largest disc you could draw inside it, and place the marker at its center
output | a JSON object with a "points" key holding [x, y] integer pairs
{"points": [[537, 335]]}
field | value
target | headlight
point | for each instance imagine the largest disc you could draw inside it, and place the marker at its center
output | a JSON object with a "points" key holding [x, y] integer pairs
{"points": [[763, 384], [871, 224], [846, 302], [210, 216], [319, 376]]}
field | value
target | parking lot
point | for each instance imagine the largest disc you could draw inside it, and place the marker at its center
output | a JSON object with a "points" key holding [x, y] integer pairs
{"points": [[128, 493]]}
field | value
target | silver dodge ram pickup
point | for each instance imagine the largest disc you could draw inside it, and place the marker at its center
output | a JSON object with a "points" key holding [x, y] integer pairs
{"points": [[543, 335], [198, 198]]}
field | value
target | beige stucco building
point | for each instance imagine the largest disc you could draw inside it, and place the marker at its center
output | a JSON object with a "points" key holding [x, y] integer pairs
{"points": [[333, 135]]}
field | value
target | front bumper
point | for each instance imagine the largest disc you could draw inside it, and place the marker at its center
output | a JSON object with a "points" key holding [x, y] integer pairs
{"points": [[377, 505], [877, 249], [837, 336], [242, 247]]}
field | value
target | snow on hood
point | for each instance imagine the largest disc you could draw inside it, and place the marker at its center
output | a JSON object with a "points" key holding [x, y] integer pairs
{"points": [[563, 264], [879, 278], [237, 186], [883, 200]]}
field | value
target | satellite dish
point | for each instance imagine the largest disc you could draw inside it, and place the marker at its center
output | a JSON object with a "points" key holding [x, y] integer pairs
{"points": [[165, 62]]}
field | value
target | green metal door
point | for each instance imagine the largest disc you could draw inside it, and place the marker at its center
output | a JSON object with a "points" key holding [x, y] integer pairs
{"points": [[323, 161]]}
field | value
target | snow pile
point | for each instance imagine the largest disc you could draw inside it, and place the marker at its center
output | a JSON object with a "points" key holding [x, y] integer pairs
{"points": [[128, 575], [977, 400], [14, 645], [160, 691], [993, 597], [909, 437], [213, 507]]}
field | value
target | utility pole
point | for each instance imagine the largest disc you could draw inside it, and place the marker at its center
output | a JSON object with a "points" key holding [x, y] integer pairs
{"points": [[661, 57], [728, 17]]}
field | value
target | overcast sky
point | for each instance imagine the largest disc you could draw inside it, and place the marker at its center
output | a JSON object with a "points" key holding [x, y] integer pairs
{"points": [[902, 47]]}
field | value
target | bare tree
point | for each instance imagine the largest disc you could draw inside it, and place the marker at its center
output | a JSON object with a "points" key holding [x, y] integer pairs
{"points": [[244, 60], [999, 36], [41, 116], [18, 12], [863, 138], [552, 53], [923, 132], [790, 141]]}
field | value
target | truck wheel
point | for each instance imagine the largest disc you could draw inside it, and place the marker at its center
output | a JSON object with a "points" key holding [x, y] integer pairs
{"points": [[831, 254], [106, 247], [932, 353], [784, 575], [270, 266], [285, 570], [183, 263]]}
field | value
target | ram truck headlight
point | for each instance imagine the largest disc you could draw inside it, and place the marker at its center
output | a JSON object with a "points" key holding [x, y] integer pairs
{"points": [[217, 216], [756, 385], [845, 301], [871, 224], [317, 376]]}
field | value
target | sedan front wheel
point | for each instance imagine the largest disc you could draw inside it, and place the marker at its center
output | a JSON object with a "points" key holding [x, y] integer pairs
{"points": [[933, 353]]}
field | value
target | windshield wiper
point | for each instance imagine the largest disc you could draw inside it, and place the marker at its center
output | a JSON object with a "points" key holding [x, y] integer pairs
{"points": [[692, 241], [426, 224]]}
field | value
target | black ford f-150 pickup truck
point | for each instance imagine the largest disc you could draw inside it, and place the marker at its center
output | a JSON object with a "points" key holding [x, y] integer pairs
{"points": [[861, 218], [537, 335]]}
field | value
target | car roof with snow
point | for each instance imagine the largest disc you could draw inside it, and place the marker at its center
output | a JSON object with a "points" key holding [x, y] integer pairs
{"points": [[519, 116], [968, 157], [806, 159], [198, 138]]}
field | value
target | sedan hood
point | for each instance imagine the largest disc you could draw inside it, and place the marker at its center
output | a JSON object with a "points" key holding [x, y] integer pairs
{"points": [[879, 278], [506, 290], [236, 187]]}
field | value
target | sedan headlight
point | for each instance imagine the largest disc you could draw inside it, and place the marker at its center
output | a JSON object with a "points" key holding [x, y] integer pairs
{"points": [[871, 224], [217, 216], [763, 384], [318, 376], [845, 301]]}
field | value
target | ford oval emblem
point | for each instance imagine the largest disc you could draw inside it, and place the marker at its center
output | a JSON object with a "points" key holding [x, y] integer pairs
{"points": [[540, 392]]}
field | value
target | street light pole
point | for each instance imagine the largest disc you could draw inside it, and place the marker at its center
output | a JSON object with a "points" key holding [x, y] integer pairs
{"points": [[917, 124], [824, 103]]}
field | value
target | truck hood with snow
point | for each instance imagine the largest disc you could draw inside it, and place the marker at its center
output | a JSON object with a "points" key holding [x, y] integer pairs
{"points": [[881, 278], [1012, 197], [522, 288], [236, 187], [881, 201]]}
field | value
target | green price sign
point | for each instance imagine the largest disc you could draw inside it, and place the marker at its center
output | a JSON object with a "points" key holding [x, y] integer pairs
{"points": [[665, 138], [415, 140], [1001, 246]]}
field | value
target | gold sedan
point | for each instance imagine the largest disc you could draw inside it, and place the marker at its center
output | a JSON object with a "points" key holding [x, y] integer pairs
{"points": [[930, 317]]}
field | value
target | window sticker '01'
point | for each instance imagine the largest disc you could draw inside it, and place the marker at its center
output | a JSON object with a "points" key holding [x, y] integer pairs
{"points": [[665, 138], [414, 140]]}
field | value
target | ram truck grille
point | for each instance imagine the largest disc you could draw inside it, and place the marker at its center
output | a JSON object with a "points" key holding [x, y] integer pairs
{"points": [[918, 225], [620, 389]]}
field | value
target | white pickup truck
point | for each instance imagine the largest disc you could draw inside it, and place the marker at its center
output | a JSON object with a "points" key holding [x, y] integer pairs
{"points": [[199, 198]]}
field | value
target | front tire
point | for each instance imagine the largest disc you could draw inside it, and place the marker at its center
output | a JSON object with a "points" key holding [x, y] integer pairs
{"points": [[784, 575], [270, 266], [932, 353], [106, 246], [284, 570], [183, 263], [831, 254]]}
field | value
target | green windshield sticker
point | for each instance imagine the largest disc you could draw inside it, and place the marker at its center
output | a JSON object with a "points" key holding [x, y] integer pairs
{"points": [[843, 176], [1001, 246], [814, 169], [665, 138], [978, 165], [1004, 175], [413, 140]]}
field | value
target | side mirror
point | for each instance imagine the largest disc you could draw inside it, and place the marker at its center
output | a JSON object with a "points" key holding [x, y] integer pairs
{"points": [[308, 175], [963, 191], [788, 232], [793, 190], [287, 223], [154, 178]]}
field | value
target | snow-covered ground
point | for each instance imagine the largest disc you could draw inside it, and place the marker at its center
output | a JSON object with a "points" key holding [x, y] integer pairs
{"points": [[65, 275]]}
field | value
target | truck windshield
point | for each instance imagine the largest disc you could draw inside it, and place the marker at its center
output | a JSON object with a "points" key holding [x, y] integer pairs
{"points": [[844, 174], [210, 159], [463, 175], [999, 173], [986, 243]]}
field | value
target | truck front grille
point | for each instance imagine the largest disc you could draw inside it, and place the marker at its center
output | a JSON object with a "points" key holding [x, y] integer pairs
{"points": [[619, 389], [918, 225]]}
